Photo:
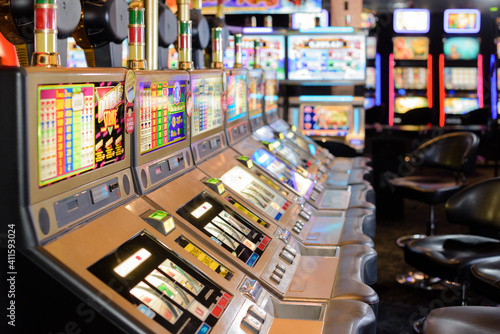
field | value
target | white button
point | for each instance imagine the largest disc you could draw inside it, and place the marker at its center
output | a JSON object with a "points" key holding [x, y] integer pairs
{"points": [[258, 313], [251, 325]]}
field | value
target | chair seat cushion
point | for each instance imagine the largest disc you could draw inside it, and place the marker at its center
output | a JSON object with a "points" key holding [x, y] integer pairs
{"points": [[450, 256], [428, 189], [463, 320], [485, 279]]}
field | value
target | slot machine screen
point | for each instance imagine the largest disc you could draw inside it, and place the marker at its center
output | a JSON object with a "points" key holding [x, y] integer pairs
{"points": [[371, 47], [325, 120], [462, 21], [256, 89], [317, 57], [162, 114], [281, 171], [411, 21], [410, 48], [460, 105], [256, 191], [272, 53], [403, 104], [207, 100], [462, 78], [236, 97], [162, 285], [370, 77], [410, 78], [225, 227], [270, 92], [461, 48], [76, 56], [80, 129]]}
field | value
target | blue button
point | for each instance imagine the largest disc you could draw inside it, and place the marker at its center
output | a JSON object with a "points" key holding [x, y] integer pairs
{"points": [[252, 259], [278, 216], [204, 329], [146, 311]]}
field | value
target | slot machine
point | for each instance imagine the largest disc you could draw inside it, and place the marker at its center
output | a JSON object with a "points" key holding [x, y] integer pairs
{"points": [[373, 98], [460, 66], [202, 207], [410, 69], [72, 197]]}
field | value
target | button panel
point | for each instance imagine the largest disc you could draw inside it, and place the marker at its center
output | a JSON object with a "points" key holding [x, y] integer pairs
{"points": [[286, 256], [258, 313]]}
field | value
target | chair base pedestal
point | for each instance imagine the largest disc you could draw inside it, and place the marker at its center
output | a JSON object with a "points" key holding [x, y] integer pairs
{"points": [[401, 241], [418, 280], [418, 325]]}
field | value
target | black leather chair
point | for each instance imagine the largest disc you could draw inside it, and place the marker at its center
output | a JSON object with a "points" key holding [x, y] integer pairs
{"points": [[485, 279], [417, 116], [451, 256], [447, 159]]}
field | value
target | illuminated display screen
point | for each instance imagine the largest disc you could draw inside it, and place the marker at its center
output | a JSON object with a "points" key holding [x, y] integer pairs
{"points": [[256, 192], [309, 20], [76, 56], [162, 285], [458, 48], [162, 114], [326, 57], [324, 119], [463, 78], [256, 89], [403, 104], [281, 171], [460, 105], [207, 100], [80, 128], [371, 47], [264, 7], [236, 97], [270, 92], [370, 77], [272, 53], [266, 135], [412, 20], [226, 228], [462, 21], [410, 48], [410, 78]]}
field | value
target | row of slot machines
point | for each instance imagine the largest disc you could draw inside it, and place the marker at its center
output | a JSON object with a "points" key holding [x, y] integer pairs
{"points": [[180, 202], [163, 197], [443, 66]]}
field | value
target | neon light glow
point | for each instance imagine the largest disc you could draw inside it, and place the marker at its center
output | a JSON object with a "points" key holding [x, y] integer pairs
{"points": [[356, 120], [391, 89], [378, 81], [257, 30], [411, 21], [441, 90], [480, 92], [429, 81], [494, 87]]}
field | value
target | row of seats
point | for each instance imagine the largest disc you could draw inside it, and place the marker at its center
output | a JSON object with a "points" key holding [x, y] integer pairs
{"points": [[463, 258]]}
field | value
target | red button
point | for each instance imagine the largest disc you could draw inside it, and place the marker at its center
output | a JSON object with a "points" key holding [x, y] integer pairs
{"points": [[287, 204], [227, 296], [262, 246], [223, 302], [265, 241], [217, 311]]}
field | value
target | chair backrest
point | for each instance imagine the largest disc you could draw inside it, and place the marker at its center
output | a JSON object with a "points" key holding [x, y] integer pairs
{"points": [[418, 116], [477, 205], [456, 151]]}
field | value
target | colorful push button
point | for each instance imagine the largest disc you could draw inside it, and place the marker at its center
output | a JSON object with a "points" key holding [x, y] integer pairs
{"points": [[223, 302], [227, 296], [217, 311], [265, 241], [204, 329], [261, 246], [253, 258]]}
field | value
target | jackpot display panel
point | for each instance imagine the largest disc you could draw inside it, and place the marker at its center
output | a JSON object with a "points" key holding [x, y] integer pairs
{"points": [[323, 57]]}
